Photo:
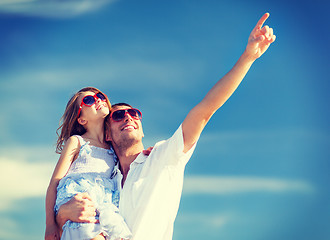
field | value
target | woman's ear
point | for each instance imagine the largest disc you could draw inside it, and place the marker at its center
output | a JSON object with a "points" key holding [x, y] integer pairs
{"points": [[82, 121]]}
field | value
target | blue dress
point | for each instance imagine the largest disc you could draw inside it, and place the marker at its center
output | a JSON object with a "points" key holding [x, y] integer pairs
{"points": [[91, 173]]}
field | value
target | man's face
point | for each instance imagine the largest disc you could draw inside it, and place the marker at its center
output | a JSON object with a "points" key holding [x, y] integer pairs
{"points": [[126, 132]]}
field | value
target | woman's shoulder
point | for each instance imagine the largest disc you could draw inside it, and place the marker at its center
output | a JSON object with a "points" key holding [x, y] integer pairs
{"points": [[71, 146], [73, 141]]}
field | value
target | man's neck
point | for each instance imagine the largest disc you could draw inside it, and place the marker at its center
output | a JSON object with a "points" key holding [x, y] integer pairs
{"points": [[127, 155]]}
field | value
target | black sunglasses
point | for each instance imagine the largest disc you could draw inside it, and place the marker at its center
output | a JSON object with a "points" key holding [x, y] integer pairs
{"points": [[119, 115]]}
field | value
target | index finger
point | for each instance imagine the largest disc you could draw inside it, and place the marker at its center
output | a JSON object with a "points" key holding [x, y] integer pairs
{"points": [[262, 21]]}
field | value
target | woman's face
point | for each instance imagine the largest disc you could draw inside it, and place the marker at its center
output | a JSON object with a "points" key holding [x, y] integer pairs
{"points": [[95, 107]]}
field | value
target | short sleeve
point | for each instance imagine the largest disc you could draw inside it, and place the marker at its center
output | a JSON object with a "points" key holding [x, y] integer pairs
{"points": [[170, 152]]}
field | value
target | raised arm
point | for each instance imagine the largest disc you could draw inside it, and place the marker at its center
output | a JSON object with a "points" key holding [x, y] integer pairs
{"points": [[258, 42], [69, 152]]}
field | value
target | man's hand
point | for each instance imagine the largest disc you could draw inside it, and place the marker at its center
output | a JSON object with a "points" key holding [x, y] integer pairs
{"points": [[147, 151], [52, 232], [260, 39], [79, 209]]}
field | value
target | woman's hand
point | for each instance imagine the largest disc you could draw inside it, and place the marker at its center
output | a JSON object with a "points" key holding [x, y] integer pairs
{"points": [[259, 39]]}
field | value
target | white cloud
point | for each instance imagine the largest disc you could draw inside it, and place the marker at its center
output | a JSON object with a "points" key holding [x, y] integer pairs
{"points": [[104, 70], [53, 9], [213, 185], [24, 172]]}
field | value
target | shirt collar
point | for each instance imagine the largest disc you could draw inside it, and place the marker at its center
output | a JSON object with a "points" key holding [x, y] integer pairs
{"points": [[140, 158]]}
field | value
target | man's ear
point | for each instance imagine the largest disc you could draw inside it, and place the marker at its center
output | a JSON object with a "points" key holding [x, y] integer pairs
{"points": [[82, 121]]}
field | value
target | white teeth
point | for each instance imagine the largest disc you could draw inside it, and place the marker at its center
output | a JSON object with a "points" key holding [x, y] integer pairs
{"points": [[128, 127]]}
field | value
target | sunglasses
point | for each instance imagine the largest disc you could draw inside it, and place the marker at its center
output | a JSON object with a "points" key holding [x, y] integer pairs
{"points": [[90, 100], [119, 115]]}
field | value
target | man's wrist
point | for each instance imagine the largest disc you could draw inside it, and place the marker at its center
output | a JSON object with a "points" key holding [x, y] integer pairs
{"points": [[247, 57], [60, 219]]}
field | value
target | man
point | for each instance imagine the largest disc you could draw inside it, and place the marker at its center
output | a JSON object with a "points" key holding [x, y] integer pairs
{"points": [[150, 186]]}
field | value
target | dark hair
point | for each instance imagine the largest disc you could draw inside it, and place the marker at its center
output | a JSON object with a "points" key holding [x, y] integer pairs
{"points": [[121, 104]]}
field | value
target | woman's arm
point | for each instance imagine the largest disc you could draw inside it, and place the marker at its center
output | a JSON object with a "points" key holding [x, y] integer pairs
{"points": [[69, 153], [259, 40]]}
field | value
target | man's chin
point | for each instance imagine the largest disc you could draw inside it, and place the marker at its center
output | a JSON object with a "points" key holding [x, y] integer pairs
{"points": [[128, 140]]}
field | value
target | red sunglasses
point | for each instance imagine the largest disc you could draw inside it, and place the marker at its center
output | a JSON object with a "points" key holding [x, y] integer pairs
{"points": [[119, 115], [90, 100]]}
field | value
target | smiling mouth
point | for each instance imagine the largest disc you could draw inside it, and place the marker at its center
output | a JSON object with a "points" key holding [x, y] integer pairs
{"points": [[129, 127]]}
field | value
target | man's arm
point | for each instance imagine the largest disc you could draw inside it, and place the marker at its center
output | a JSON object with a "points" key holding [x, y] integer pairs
{"points": [[259, 41], [79, 209]]}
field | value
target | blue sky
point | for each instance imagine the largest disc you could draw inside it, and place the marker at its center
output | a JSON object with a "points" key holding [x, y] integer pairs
{"points": [[261, 167]]}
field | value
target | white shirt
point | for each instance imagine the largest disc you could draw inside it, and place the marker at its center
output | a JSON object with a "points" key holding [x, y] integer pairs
{"points": [[150, 198]]}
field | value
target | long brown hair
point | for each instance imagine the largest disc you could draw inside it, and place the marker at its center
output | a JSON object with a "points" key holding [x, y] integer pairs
{"points": [[69, 125]]}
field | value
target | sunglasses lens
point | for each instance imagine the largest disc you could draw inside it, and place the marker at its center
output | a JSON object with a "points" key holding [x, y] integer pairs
{"points": [[101, 96], [118, 115], [89, 100], [134, 113]]}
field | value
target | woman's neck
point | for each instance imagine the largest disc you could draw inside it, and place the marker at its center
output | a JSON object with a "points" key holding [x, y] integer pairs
{"points": [[95, 134]]}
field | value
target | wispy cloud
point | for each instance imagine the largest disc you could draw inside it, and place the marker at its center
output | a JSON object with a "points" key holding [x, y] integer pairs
{"points": [[33, 167], [51, 9], [74, 71], [24, 172], [213, 185]]}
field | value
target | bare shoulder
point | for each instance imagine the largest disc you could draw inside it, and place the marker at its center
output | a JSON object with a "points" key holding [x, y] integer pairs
{"points": [[72, 145], [73, 140]]}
